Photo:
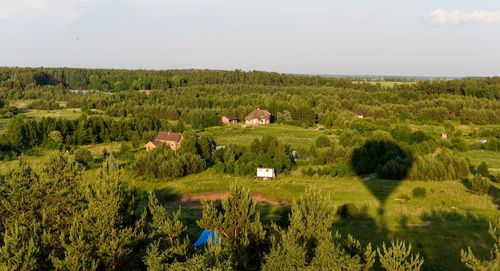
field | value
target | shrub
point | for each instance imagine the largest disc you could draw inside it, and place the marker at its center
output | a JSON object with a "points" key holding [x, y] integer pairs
{"points": [[323, 171], [347, 210], [83, 156], [395, 169], [480, 185], [308, 172], [495, 178], [404, 197], [457, 143], [385, 158], [445, 166], [419, 192], [323, 141], [482, 169], [163, 162]]}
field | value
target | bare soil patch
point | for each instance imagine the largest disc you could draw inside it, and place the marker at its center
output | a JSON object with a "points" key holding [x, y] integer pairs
{"points": [[193, 201]]}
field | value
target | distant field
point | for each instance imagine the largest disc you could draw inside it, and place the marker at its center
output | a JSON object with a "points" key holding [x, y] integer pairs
{"points": [[491, 158], [293, 135], [68, 113], [384, 83]]}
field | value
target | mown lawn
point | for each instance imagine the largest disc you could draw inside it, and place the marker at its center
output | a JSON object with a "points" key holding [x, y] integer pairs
{"points": [[491, 158], [293, 135], [68, 113]]}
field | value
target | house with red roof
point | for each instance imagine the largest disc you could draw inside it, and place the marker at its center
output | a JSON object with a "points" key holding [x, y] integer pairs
{"points": [[172, 139]]}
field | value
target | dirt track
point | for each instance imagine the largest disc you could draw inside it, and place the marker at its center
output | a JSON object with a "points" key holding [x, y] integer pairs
{"points": [[194, 200]]}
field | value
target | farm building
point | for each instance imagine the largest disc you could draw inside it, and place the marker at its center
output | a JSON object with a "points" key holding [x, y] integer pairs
{"points": [[258, 117], [228, 119], [265, 173], [169, 138]]}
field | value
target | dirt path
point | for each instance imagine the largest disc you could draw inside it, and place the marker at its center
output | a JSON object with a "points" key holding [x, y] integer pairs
{"points": [[368, 177], [194, 200]]}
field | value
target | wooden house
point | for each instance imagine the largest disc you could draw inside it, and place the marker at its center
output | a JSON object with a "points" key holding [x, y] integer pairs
{"points": [[258, 117], [169, 138], [228, 119]]}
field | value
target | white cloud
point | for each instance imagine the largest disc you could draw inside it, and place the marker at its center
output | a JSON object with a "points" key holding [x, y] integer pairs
{"points": [[68, 10], [457, 17]]}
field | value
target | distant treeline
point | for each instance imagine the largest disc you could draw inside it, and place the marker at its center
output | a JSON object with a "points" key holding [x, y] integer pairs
{"points": [[23, 132], [120, 80]]}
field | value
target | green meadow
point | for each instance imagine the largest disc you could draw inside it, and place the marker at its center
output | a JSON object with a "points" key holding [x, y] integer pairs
{"points": [[447, 220]]}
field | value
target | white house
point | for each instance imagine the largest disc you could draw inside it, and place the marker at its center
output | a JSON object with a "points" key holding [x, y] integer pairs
{"points": [[265, 173]]}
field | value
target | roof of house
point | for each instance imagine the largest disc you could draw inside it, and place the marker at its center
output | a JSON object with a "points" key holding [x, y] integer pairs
{"points": [[229, 117], [155, 143], [258, 114], [168, 136]]}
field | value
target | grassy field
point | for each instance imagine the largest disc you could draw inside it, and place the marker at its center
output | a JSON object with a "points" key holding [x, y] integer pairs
{"points": [[388, 84], [293, 135], [448, 219], [491, 158], [23, 106], [68, 113]]}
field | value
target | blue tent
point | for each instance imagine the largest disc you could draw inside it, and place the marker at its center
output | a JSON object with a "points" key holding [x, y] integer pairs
{"points": [[205, 237]]}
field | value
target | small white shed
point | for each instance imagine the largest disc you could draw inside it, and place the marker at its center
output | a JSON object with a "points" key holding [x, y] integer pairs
{"points": [[265, 173]]}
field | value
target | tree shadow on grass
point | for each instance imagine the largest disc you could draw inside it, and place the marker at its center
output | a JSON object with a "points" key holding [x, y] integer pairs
{"points": [[493, 191], [387, 160], [438, 238], [442, 235], [274, 213]]}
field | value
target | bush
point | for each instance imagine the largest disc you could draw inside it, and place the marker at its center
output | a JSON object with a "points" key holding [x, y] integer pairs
{"points": [[457, 143], [404, 197], [162, 162], [445, 166], [383, 157], [482, 169], [347, 210], [83, 156], [419, 192], [323, 141], [480, 185], [308, 172], [494, 178]]}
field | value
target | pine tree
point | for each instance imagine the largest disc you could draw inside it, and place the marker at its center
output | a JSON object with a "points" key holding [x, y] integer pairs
{"points": [[239, 225], [307, 244], [493, 264], [398, 257], [78, 251], [107, 219], [20, 248], [168, 232]]}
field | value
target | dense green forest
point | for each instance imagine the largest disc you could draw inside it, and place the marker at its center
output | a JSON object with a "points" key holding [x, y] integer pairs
{"points": [[79, 192]]}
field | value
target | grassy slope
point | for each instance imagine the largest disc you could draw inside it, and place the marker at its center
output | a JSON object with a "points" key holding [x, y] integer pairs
{"points": [[491, 158], [458, 218], [293, 135]]}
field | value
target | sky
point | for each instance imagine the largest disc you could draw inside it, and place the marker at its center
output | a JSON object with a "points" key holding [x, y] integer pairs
{"points": [[349, 37]]}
